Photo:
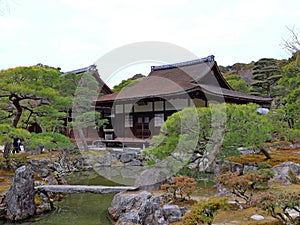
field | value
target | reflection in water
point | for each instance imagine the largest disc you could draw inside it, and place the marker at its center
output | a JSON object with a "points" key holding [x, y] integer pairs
{"points": [[78, 209], [121, 174]]}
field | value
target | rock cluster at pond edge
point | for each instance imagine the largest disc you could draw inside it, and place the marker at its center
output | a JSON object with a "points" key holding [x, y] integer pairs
{"points": [[144, 208]]}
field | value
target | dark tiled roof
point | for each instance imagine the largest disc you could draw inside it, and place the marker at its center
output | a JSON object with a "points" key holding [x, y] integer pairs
{"points": [[180, 78], [208, 89], [104, 89], [181, 64], [77, 71]]}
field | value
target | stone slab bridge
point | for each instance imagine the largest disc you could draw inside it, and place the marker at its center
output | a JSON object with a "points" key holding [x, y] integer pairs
{"points": [[97, 189]]}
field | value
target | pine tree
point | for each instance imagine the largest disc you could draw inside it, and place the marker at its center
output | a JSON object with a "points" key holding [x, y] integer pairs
{"points": [[265, 75]]}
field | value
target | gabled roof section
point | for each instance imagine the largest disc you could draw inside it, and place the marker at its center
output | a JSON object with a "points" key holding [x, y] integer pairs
{"points": [[181, 64], [203, 70], [104, 89], [181, 78]]}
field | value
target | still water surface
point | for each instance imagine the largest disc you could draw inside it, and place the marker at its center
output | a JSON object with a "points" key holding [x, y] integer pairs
{"points": [[79, 209]]}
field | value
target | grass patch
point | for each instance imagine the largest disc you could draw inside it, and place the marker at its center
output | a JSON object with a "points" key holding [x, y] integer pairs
{"points": [[94, 153], [37, 199], [7, 173], [278, 156], [6, 177], [289, 189], [51, 155], [3, 189], [4, 184], [243, 217]]}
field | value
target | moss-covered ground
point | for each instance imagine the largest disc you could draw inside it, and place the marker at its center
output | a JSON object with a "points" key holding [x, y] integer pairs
{"points": [[235, 215]]}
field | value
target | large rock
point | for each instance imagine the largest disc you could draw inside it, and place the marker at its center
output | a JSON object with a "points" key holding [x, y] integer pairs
{"points": [[151, 179], [282, 173], [107, 159], [173, 213], [249, 167], [136, 162], [20, 196], [40, 167], [144, 208], [45, 204], [127, 157], [228, 166], [138, 208]]}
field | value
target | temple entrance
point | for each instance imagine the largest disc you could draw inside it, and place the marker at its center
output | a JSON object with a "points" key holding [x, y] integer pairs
{"points": [[142, 126]]}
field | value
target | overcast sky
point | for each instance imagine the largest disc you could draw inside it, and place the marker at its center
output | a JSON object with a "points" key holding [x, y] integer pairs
{"points": [[71, 34]]}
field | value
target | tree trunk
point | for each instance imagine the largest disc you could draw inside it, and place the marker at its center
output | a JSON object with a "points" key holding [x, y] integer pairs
{"points": [[209, 159], [265, 152], [82, 139], [19, 112], [269, 91], [7, 148]]}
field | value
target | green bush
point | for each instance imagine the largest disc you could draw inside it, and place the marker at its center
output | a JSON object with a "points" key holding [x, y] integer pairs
{"points": [[203, 212], [292, 135], [13, 161], [48, 140], [212, 131]]}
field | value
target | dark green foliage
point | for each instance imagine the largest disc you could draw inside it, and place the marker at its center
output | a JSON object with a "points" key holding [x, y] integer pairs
{"points": [[7, 133], [204, 211], [127, 83], [179, 132], [24, 90], [31, 95], [291, 97], [49, 141], [245, 127], [83, 115], [237, 83], [213, 131], [13, 161], [265, 75]]}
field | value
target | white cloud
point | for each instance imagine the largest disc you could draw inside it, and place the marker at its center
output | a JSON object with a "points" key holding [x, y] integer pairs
{"points": [[70, 33], [10, 24]]}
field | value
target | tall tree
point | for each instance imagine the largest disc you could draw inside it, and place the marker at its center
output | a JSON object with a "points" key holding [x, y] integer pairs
{"points": [[291, 100], [27, 94], [83, 114], [27, 89], [265, 75], [208, 133]]}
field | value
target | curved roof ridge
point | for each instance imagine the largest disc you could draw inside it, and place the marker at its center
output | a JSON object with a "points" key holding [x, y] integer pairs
{"points": [[209, 58], [81, 70]]}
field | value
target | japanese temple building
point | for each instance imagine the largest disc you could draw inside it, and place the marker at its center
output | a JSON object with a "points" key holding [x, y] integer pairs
{"points": [[137, 112]]}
